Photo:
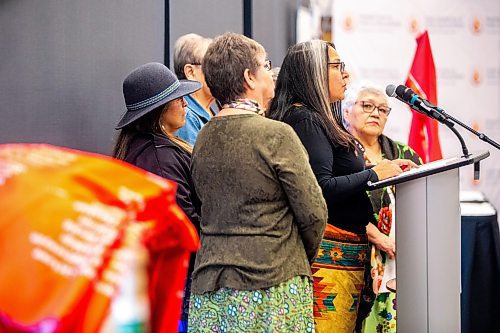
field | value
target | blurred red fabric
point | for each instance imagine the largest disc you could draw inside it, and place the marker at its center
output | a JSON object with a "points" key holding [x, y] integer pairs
{"points": [[65, 218]]}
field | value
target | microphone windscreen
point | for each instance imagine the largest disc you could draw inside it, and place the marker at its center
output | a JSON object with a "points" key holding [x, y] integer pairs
{"points": [[400, 90], [390, 90]]}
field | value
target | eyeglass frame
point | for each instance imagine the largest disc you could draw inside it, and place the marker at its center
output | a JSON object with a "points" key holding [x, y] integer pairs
{"points": [[386, 113], [338, 63], [267, 65]]}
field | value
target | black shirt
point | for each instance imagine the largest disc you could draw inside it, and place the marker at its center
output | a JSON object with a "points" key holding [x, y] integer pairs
{"points": [[340, 172]]}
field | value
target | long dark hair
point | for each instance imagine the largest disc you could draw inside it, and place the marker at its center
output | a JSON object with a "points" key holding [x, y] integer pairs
{"points": [[303, 78], [149, 123]]}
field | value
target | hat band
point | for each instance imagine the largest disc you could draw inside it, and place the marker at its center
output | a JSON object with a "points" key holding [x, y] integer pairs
{"points": [[154, 99]]}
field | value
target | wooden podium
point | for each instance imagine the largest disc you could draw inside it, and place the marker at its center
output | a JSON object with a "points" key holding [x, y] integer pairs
{"points": [[428, 245]]}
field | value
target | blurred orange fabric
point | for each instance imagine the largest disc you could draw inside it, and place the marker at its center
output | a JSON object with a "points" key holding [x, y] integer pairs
{"points": [[63, 217]]}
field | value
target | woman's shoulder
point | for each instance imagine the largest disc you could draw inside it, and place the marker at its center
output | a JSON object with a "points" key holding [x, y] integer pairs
{"points": [[167, 150], [403, 147], [298, 113], [399, 149], [303, 119], [265, 129], [139, 144]]}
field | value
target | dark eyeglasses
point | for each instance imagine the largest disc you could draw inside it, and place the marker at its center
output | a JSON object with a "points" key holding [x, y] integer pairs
{"points": [[369, 107], [267, 65], [340, 65]]}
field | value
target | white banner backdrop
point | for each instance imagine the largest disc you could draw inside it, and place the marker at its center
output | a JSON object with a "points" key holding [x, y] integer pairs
{"points": [[377, 41]]}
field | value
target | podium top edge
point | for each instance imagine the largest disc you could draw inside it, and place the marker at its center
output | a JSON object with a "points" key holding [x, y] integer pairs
{"points": [[431, 168]]}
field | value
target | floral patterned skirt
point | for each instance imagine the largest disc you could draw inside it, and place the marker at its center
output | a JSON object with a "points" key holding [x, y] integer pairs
{"points": [[382, 318], [338, 275], [286, 307]]}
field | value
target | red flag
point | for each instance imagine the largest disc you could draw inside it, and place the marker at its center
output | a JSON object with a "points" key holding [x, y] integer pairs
{"points": [[424, 135]]}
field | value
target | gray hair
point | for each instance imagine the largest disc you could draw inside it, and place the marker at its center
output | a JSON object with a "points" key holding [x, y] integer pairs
{"points": [[189, 49], [354, 91]]}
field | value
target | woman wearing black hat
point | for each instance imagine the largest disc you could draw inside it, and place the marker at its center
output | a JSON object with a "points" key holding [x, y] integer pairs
{"points": [[155, 111]]}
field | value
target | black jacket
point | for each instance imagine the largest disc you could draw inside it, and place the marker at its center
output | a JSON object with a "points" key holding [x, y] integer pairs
{"points": [[158, 155]]}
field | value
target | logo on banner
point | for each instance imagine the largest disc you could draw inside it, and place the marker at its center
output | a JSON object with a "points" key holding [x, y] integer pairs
{"points": [[477, 77], [475, 126], [476, 25], [348, 24], [414, 26]]}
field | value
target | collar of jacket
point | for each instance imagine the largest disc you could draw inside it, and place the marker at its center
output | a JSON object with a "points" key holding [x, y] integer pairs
{"points": [[389, 147], [195, 107], [161, 140]]}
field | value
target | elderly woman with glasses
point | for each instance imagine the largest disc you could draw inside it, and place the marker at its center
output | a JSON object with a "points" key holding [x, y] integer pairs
{"points": [[366, 110], [262, 213], [310, 86]]}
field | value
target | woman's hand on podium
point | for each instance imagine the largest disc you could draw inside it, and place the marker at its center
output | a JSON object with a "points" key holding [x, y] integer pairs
{"points": [[405, 165], [387, 169]]}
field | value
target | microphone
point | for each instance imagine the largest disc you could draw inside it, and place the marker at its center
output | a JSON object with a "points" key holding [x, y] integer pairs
{"points": [[390, 90], [417, 103]]}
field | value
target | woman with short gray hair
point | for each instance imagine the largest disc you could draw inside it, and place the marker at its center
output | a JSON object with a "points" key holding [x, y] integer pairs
{"points": [[262, 211], [366, 110]]}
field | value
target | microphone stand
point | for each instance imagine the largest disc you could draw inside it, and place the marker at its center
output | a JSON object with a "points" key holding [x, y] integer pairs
{"points": [[451, 126], [481, 136], [408, 96], [445, 119]]}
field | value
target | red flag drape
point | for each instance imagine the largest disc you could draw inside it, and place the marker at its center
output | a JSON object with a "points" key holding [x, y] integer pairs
{"points": [[424, 135]]}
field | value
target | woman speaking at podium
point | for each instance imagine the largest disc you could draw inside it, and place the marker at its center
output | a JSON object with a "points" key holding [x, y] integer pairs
{"points": [[309, 88]]}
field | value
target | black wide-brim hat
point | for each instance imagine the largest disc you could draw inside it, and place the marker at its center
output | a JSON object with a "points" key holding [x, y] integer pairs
{"points": [[150, 86]]}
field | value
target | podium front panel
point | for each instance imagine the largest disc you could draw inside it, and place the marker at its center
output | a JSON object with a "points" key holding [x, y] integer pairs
{"points": [[428, 254]]}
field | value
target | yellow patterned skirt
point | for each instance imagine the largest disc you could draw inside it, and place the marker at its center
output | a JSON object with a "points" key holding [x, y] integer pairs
{"points": [[338, 275]]}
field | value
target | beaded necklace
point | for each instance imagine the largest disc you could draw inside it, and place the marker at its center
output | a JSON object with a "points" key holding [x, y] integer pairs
{"points": [[244, 104]]}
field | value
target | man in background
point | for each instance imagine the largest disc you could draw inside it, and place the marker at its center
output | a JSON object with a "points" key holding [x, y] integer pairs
{"points": [[189, 51]]}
